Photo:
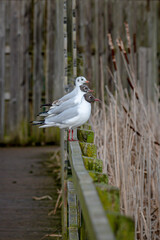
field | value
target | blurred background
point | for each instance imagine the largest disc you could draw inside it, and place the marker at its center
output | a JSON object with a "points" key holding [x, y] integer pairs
{"points": [[115, 44], [31, 55]]}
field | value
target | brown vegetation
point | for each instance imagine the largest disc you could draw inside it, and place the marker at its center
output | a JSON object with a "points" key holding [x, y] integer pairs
{"points": [[127, 135]]}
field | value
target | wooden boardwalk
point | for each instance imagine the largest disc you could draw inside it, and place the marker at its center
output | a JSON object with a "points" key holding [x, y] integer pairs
{"points": [[22, 176]]}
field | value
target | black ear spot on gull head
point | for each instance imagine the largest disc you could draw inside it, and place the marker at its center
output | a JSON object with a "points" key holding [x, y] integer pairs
{"points": [[84, 88], [89, 97]]}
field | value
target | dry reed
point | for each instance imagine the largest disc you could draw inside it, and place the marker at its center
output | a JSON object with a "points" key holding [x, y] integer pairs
{"points": [[128, 142]]}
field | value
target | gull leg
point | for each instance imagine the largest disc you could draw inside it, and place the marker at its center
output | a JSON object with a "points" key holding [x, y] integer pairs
{"points": [[69, 135], [72, 135]]}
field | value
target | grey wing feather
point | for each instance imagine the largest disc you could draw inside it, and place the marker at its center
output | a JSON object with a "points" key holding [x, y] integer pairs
{"points": [[68, 96], [64, 106], [63, 116]]}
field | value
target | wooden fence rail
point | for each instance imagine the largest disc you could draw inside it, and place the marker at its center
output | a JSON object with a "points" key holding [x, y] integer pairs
{"points": [[96, 222], [91, 206]]}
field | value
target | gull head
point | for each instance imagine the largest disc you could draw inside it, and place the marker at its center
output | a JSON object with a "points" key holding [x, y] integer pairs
{"points": [[80, 81], [90, 98], [85, 89]]}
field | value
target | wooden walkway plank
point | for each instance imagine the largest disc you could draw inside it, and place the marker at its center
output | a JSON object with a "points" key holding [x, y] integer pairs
{"points": [[24, 175]]}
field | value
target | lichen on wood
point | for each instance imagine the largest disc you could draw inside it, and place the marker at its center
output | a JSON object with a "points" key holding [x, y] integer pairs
{"points": [[93, 164], [122, 226], [88, 149], [98, 177], [109, 196], [85, 135]]}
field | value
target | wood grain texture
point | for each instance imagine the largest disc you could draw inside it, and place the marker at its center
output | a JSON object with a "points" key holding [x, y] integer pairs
{"points": [[2, 68], [74, 43], [14, 66], [72, 212]]}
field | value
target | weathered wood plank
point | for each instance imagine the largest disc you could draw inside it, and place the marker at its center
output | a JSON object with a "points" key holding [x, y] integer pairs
{"points": [[65, 41], [64, 184], [37, 62], [96, 222], [27, 56], [74, 43], [96, 44], [72, 212], [153, 43], [2, 67], [21, 84], [14, 66], [62, 58], [7, 67], [145, 71], [50, 59]]}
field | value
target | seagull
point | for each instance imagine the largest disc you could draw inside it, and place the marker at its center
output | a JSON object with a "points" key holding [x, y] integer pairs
{"points": [[70, 118], [67, 104], [78, 82]]}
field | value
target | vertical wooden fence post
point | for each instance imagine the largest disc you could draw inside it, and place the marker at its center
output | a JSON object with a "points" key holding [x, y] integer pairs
{"points": [[2, 67], [74, 45], [63, 153]]}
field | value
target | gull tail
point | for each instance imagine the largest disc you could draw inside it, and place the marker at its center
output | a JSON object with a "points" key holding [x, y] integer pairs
{"points": [[40, 122], [43, 114], [46, 105]]}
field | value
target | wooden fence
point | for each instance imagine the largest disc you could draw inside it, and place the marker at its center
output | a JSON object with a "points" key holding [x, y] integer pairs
{"points": [[91, 207], [32, 38], [95, 19], [31, 67]]}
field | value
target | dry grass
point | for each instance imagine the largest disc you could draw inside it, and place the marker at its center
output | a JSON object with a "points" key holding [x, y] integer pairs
{"points": [[127, 133]]}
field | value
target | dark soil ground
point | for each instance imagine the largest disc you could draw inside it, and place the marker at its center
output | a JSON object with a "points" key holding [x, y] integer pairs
{"points": [[23, 175]]}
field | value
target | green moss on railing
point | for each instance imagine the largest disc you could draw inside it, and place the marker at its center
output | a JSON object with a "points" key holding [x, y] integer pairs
{"points": [[88, 149], [98, 177], [85, 135], [122, 226], [93, 164], [109, 197]]}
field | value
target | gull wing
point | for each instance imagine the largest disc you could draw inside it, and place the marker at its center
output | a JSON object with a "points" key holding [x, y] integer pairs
{"points": [[64, 106], [69, 95], [63, 116]]}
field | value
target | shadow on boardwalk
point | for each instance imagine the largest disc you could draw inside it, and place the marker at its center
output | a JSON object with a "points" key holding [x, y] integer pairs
{"points": [[22, 176]]}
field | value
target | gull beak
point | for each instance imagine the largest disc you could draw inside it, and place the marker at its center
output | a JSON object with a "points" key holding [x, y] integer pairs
{"points": [[91, 90], [87, 81], [97, 100]]}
